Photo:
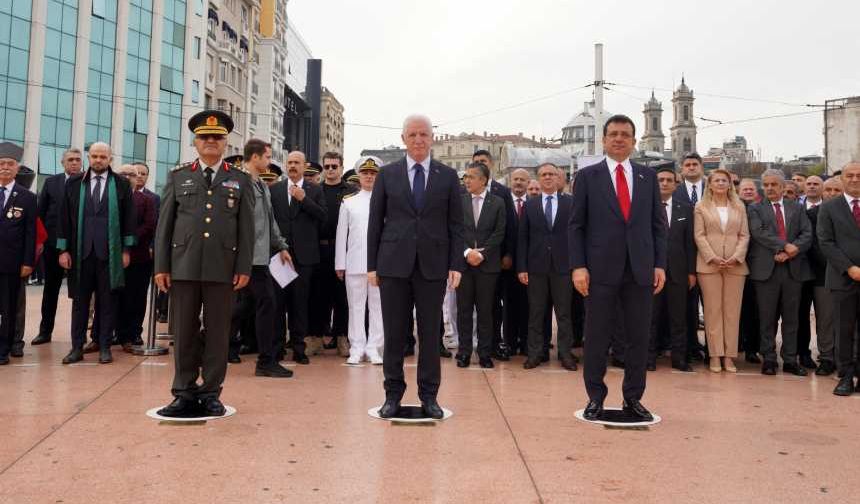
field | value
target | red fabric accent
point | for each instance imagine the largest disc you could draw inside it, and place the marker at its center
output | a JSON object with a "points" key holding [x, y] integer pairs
{"points": [[855, 209], [41, 236], [622, 190], [519, 208], [780, 221]]}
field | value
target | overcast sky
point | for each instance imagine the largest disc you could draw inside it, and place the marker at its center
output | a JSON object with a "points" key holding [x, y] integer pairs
{"points": [[452, 59]]}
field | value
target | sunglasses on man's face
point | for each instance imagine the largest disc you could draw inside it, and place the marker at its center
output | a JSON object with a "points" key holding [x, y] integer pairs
{"points": [[331, 166]]}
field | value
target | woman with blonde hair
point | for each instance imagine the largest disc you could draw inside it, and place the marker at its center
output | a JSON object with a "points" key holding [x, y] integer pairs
{"points": [[722, 236]]}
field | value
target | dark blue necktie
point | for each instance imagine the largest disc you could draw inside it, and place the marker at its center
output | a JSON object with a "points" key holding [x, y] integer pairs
{"points": [[2, 197], [548, 211], [418, 186], [695, 197]]}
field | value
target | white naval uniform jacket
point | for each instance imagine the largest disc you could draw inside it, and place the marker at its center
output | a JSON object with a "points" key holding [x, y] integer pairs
{"points": [[351, 241]]}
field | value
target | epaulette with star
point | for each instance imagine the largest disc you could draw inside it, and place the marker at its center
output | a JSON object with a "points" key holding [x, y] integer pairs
{"points": [[182, 166]]}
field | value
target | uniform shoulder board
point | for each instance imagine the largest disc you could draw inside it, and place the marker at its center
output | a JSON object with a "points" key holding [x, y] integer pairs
{"points": [[182, 166]]}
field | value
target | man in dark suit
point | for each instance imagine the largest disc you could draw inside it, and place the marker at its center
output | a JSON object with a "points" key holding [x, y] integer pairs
{"points": [[814, 292], [516, 300], [483, 234], [300, 211], [780, 237], [680, 275], [839, 238], [414, 244], [618, 256], [96, 230], [501, 351], [17, 242], [749, 336], [50, 199], [543, 265], [690, 190]]}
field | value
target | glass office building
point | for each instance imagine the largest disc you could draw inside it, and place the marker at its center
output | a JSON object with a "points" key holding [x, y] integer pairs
{"points": [[74, 72]]}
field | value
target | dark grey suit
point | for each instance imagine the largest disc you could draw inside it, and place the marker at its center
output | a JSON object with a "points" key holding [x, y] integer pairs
{"points": [[412, 249], [839, 239], [50, 199], [778, 284], [478, 285]]}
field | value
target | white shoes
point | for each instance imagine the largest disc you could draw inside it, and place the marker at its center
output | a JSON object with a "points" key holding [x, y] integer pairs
{"points": [[354, 360], [375, 358]]}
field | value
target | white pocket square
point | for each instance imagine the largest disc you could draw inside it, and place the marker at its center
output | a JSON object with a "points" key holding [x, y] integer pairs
{"points": [[681, 218]]}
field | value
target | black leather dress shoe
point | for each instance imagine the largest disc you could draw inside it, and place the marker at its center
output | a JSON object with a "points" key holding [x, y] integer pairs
{"points": [[616, 362], [531, 363], [273, 371], [635, 409], [389, 409], [593, 410], [246, 350], [683, 366], [17, 352], [486, 362], [182, 408], [501, 354], [4, 360], [432, 409], [301, 358], [794, 369], [233, 358], [445, 353], [826, 368], [331, 345], [105, 356], [463, 361], [807, 362], [75, 355], [544, 357], [845, 386], [212, 406], [569, 364], [91, 347], [769, 368], [41, 339], [651, 366], [752, 358]]}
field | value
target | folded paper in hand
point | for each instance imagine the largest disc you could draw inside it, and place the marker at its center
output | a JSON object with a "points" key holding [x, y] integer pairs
{"points": [[283, 273]]}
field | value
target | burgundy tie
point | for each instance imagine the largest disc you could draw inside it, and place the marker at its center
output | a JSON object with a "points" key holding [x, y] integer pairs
{"points": [[622, 191], [780, 222], [519, 208], [855, 209]]}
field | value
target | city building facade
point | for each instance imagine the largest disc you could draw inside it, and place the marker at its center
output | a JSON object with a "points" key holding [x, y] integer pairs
{"points": [[841, 132], [331, 123], [580, 134], [683, 126], [456, 150], [125, 72], [653, 139]]}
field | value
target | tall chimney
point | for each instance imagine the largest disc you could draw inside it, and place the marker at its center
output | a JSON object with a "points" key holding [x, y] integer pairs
{"points": [[598, 95]]}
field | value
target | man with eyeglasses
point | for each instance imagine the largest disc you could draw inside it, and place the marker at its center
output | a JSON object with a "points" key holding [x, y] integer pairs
{"points": [[329, 310], [204, 245]]}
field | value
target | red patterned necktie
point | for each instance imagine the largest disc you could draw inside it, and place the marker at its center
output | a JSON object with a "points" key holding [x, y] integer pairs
{"points": [[519, 208], [855, 209], [780, 222], [622, 191]]}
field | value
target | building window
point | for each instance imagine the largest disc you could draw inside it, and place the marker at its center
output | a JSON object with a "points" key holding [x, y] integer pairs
{"points": [[222, 73], [99, 8], [195, 47], [208, 102], [654, 124], [222, 105], [686, 113], [198, 7], [688, 146], [195, 91], [100, 88]]}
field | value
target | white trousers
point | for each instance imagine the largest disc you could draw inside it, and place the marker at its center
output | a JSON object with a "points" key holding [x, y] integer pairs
{"points": [[359, 293]]}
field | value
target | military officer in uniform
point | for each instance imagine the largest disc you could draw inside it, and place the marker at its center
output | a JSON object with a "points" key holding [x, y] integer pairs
{"points": [[312, 172], [17, 242], [350, 265], [203, 250]]}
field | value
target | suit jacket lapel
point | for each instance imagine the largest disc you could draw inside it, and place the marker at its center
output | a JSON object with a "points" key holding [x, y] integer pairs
{"points": [[469, 213], [638, 187], [845, 210], [432, 175], [605, 182]]}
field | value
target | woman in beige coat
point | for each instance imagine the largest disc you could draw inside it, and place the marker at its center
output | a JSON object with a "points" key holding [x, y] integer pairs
{"points": [[722, 236]]}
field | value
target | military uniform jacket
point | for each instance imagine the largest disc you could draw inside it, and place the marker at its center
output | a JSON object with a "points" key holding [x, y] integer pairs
{"points": [[351, 242], [18, 231], [205, 234]]}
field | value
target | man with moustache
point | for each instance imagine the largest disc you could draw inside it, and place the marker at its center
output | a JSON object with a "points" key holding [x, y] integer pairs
{"points": [[203, 251], [300, 211], [96, 230], [50, 199], [17, 243]]}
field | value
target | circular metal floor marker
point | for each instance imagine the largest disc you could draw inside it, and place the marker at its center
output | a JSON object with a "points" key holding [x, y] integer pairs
{"points": [[153, 413], [409, 413], [616, 418]]}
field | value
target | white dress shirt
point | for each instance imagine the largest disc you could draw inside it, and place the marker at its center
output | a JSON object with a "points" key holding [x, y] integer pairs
{"points": [[300, 184], [850, 199], [812, 204], [93, 177], [668, 205], [700, 186], [781, 204], [8, 194], [410, 169], [553, 206], [483, 197], [350, 252], [628, 173]]}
